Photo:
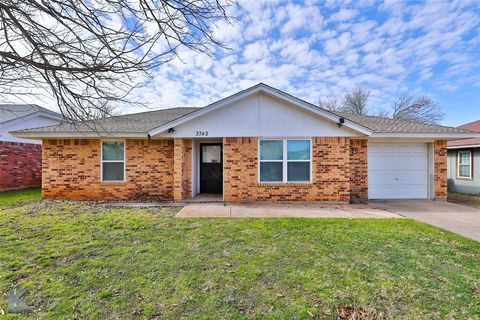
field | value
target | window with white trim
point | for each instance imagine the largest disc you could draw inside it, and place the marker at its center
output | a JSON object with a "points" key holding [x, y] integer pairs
{"points": [[464, 163], [285, 160], [113, 161]]}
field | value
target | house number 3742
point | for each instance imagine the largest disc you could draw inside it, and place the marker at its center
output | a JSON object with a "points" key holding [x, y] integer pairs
{"points": [[201, 133]]}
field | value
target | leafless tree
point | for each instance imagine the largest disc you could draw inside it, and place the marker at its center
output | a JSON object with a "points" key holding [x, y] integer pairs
{"points": [[330, 103], [355, 101], [90, 54], [423, 109], [382, 112]]}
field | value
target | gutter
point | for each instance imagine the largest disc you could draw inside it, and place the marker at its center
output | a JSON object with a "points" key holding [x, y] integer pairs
{"points": [[78, 134]]}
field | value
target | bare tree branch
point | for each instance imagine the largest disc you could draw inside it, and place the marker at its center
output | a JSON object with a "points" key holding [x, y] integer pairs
{"points": [[423, 109], [89, 55], [355, 101], [330, 103]]}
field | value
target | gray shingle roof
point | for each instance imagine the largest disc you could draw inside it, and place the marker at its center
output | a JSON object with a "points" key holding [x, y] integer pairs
{"points": [[10, 112], [131, 123], [142, 123], [388, 125], [145, 121]]}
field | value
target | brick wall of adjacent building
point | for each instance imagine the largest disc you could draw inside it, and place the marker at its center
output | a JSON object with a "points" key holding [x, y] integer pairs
{"points": [[359, 170], [330, 173], [20, 165], [440, 159], [71, 169]]}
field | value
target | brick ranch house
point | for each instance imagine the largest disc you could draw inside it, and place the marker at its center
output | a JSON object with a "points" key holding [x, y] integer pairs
{"points": [[258, 144]]}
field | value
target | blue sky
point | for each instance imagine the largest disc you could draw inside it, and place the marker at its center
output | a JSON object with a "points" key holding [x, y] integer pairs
{"points": [[314, 49]]}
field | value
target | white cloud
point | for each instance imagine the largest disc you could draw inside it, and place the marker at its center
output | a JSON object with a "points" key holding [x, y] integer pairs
{"points": [[317, 48], [343, 15], [337, 45]]}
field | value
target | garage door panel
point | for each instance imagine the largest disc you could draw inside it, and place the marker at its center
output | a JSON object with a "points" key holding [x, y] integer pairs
{"points": [[398, 178], [397, 170], [399, 192], [413, 163], [390, 163]]}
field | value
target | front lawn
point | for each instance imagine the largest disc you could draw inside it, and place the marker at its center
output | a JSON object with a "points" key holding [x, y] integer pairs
{"points": [[472, 200], [83, 261], [16, 197]]}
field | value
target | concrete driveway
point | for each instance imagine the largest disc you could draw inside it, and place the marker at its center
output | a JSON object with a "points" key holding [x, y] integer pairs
{"points": [[453, 217]]}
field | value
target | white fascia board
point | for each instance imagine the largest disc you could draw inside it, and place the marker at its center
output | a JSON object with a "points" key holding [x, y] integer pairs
{"points": [[466, 146], [49, 115], [66, 135], [33, 115], [254, 90], [402, 140], [447, 136]]}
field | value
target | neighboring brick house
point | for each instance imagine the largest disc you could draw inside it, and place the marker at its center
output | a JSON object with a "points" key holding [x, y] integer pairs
{"points": [[464, 162], [258, 144], [21, 159]]}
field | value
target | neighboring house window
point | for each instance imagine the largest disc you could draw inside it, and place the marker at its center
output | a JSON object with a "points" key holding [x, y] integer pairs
{"points": [[285, 160], [464, 164], [113, 161]]}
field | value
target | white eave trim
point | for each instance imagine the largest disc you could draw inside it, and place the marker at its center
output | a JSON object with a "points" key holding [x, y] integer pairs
{"points": [[32, 115], [447, 136], [260, 88], [466, 146], [85, 135]]}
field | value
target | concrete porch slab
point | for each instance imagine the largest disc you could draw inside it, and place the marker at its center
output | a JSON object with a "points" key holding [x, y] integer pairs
{"points": [[290, 210]]}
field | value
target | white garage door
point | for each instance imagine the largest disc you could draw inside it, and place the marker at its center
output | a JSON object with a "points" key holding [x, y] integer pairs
{"points": [[397, 170]]}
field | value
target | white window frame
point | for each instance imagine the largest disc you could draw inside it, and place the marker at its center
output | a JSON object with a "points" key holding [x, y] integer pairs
{"points": [[285, 160], [469, 152], [114, 161]]}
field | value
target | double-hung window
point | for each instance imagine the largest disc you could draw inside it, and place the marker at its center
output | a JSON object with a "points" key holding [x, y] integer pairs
{"points": [[113, 161], [465, 164], [285, 160]]}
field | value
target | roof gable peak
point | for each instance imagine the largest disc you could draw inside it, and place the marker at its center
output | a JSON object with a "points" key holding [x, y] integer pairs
{"points": [[266, 89]]}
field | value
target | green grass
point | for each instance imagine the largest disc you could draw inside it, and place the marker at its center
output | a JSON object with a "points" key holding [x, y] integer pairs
{"points": [[472, 200], [16, 197], [83, 261]]}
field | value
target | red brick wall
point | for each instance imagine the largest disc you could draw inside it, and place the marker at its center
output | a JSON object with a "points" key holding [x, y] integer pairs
{"points": [[330, 173], [441, 180], [71, 169], [182, 169], [359, 170], [20, 165]]}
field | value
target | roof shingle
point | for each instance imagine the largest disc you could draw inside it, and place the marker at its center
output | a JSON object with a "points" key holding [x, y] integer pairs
{"points": [[131, 123], [475, 125], [142, 123], [10, 112], [389, 125]]}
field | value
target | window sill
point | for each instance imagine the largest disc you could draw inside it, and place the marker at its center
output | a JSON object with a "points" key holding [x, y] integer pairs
{"points": [[285, 184], [465, 178], [112, 182]]}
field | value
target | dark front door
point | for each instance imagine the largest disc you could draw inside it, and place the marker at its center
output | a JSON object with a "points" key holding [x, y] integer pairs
{"points": [[211, 168]]}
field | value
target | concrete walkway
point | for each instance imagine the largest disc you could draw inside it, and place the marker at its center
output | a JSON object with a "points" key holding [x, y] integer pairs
{"points": [[453, 217], [456, 218], [285, 210]]}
